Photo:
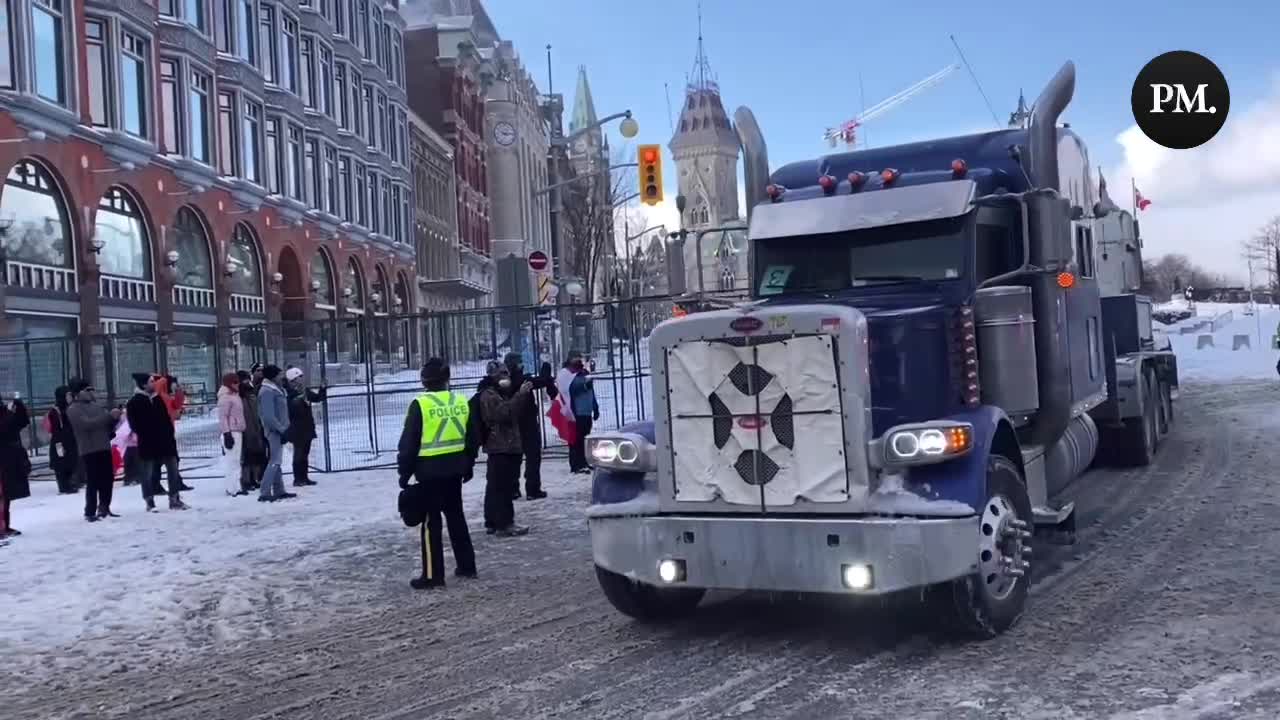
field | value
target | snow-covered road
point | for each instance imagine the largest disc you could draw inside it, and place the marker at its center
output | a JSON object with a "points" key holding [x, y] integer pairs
{"points": [[235, 610]]}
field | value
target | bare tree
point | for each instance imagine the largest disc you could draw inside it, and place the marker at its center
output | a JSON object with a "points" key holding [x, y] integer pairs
{"points": [[1263, 252], [592, 217], [1169, 274]]}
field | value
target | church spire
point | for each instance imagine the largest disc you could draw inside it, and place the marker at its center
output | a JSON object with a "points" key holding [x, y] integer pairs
{"points": [[584, 107], [702, 78]]}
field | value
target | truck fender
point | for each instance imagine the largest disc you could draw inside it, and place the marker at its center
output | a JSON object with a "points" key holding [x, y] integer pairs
{"points": [[965, 478], [609, 486], [1129, 399]]}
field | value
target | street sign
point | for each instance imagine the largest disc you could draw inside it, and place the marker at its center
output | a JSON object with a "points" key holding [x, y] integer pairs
{"points": [[538, 260]]}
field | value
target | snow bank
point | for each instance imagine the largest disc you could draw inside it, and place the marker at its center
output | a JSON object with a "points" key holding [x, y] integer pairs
{"points": [[646, 503], [891, 498], [1220, 363]]}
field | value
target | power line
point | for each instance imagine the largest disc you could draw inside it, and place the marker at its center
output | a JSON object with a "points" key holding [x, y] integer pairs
{"points": [[976, 82]]}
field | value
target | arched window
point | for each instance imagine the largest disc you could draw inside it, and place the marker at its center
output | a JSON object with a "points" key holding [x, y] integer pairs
{"points": [[322, 279], [405, 303], [353, 279], [383, 288], [34, 216], [195, 265], [119, 227], [246, 270]]}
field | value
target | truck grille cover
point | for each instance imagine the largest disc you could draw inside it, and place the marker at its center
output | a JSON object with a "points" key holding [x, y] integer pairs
{"points": [[757, 421]]}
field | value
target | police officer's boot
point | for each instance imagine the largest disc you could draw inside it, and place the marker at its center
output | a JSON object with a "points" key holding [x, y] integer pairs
{"points": [[422, 583]]}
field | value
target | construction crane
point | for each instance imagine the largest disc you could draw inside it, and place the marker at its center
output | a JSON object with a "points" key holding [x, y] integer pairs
{"points": [[848, 131]]}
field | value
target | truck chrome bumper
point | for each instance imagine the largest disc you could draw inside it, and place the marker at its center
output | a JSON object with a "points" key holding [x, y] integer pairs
{"points": [[788, 554]]}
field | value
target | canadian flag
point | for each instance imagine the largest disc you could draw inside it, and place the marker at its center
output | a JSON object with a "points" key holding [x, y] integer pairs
{"points": [[560, 413], [1139, 201]]}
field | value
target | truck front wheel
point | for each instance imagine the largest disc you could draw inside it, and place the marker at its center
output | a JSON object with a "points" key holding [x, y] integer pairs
{"points": [[646, 602], [990, 601]]}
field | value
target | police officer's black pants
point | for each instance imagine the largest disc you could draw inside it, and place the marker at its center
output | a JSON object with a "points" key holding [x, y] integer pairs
{"points": [[502, 472], [444, 498]]}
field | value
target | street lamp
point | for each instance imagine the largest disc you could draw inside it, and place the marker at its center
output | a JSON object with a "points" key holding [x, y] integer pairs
{"points": [[629, 128], [573, 287]]}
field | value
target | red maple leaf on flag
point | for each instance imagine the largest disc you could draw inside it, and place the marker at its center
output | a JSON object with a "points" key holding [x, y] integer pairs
{"points": [[1139, 201]]}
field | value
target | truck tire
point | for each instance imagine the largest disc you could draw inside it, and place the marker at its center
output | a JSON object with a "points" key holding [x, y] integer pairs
{"points": [[990, 601], [645, 602], [1166, 399], [1143, 432]]}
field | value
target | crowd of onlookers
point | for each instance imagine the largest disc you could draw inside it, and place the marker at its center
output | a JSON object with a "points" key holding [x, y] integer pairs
{"points": [[259, 410]]}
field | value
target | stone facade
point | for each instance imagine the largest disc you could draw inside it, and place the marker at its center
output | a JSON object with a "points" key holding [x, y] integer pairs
{"points": [[517, 135], [245, 164], [447, 90], [440, 282]]}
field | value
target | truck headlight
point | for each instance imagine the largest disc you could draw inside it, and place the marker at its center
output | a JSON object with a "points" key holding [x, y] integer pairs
{"points": [[925, 443], [622, 451]]}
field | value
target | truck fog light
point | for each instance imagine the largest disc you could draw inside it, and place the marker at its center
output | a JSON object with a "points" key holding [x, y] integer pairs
{"points": [[857, 577], [671, 571]]}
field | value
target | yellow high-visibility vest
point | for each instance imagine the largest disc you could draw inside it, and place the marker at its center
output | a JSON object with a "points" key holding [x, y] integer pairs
{"points": [[444, 423]]}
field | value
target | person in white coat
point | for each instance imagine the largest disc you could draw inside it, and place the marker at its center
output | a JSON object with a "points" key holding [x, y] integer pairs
{"points": [[231, 422]]}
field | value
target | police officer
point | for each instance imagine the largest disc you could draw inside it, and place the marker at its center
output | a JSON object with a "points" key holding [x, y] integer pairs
{"points": [[437, 448]]}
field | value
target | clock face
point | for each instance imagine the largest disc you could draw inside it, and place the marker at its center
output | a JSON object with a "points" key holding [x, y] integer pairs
{"points": [[504, 133]]}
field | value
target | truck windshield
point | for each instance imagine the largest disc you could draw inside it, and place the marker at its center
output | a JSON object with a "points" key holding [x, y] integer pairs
{"points": [[913, 252]]}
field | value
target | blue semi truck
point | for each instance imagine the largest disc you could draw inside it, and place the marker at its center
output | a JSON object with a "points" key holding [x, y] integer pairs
{"points": [[941, 336]]}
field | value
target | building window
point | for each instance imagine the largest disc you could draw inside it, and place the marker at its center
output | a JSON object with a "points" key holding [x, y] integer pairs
{"points": [[315, 196], [98, 71], [39, 231], [228, 160], [119, 225], [397, 209], [344, 181], [289, 55], [226, 22], [296, 189], [198, 116], [170, 102], [6, 47], [375, 28], [267, 41], [134, 117], [375, 222], [194, 266], [382, 121], [193, 13], [360, 25], [384, 59], [340, 97], [371, 121], [246, 48], [324, 82], [242, 252], [271, 155], [340, 17], [48, 56], [330, 180], [387, 212], [357, 116], [397, 58], [360, 195], [306, 71]]}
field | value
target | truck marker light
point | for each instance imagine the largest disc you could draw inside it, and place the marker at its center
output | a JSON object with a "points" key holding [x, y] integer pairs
{"points": [[959, 168], [1066, 280], [829, 324], [752, 422], [856, 181], [828, 184], [746, 324], [671, 571], [775, 192], [857, 577], [889, 175]]}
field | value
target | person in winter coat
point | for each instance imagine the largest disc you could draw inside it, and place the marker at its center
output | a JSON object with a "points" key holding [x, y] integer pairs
{"points": [[231, 423], [93, 425], [171, 397], [273, 409], [302, 423], [64, 459], [253, 457], [531, 423], [437, 449], [582, 400], [500, 406], [15, 464], [149, 417]]}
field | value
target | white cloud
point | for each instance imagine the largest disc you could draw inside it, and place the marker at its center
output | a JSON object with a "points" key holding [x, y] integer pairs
{"points": [[1206, 200]]}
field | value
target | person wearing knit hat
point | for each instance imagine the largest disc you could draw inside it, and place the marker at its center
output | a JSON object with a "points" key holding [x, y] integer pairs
{"points": [[302, 423], [501, 404], [93, 426], [273, 409]]}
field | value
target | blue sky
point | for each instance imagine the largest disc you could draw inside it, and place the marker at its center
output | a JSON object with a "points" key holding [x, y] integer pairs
{"points": [[797, 63]]}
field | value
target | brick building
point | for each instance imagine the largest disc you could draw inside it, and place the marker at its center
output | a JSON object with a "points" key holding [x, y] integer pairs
{"points": [[447, 88], [189, 165]]}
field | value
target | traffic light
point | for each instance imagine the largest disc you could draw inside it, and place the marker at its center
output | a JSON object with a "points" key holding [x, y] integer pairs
{"points": [[650, 174]]}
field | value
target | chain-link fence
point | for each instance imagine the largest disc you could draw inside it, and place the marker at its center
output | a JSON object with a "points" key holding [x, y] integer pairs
{"points": [[368, 363]]}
